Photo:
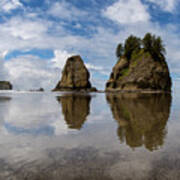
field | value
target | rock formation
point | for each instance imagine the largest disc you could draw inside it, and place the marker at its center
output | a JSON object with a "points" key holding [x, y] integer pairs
{"points": [[37, 90], [142, 118], [5, 85], [142, 72], [75, 109], [75, 76]]}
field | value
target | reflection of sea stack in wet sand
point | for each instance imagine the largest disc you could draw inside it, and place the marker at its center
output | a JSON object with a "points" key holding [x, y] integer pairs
{"points": [[142, 118], [75, 76], [75, 109]]}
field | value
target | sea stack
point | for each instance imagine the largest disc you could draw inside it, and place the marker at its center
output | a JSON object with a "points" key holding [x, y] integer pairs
{"points": [[5, 85], [75, 76], [142, 68]]}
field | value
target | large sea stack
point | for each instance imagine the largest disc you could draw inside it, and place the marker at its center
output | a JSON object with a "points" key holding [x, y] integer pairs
{"points": [[142, 69], [5, 85], [75, 76]]}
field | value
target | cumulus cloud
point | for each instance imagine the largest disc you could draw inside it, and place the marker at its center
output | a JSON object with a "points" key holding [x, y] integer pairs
{"points": [[3, 71], [24, 29], [30, 72], [127, 11], [28, 33], [8, 5], [22, 33], [60, 58], [66, 11], [165, 5], [94, 68]]}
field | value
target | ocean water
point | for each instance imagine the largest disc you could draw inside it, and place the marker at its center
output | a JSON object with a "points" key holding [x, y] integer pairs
{"points": [[73, 136]]}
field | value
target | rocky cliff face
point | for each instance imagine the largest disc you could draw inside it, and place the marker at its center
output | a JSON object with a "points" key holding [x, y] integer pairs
{"points": [[142, 72], [5, 85], [142, 118], [75, 76], [75, 109]]}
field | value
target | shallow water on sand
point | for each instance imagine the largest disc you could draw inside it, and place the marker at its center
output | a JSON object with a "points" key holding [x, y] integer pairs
{"points": [[89, 136]]}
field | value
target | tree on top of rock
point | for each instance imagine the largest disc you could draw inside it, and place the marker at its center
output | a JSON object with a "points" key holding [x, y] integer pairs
{"points": [[132, 44], [159, 48], [119, 50], [153, 45], [150, 43]]}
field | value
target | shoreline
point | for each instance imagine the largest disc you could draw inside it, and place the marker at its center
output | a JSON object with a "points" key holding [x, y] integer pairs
{"points": [[93, 92]]}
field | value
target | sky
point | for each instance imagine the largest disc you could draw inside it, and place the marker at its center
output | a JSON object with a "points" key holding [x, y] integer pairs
{"points": [[37, 36]]}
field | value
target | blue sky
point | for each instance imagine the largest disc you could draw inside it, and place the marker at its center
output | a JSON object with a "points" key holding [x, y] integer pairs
{"points": [[37, 36]]}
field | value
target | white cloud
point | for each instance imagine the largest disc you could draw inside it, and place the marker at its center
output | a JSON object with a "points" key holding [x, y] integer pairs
{"points": [[3, 71], [3, 54], [127, 11], [60, 58], [93, 67], [29, 72], [66, 11], [27, 33], [166, 5], [8, 5], [24, 29], [99, 69]]}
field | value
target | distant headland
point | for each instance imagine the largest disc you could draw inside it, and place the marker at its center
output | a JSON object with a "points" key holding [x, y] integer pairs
{"points": [[5, 85]]}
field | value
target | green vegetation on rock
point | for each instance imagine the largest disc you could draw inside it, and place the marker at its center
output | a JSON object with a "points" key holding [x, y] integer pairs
{"points": [[154, 46], [141, 65], [133, 45], [119, 50]]}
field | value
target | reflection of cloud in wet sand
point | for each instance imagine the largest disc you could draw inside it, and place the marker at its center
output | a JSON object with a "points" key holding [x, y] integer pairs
{"points": [[33, 114], [63, 164], [75, 108], [142, 118], [94, 152]]}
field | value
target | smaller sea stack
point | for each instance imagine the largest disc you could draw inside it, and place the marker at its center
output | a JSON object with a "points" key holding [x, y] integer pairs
{"points": [[75, 76]]}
